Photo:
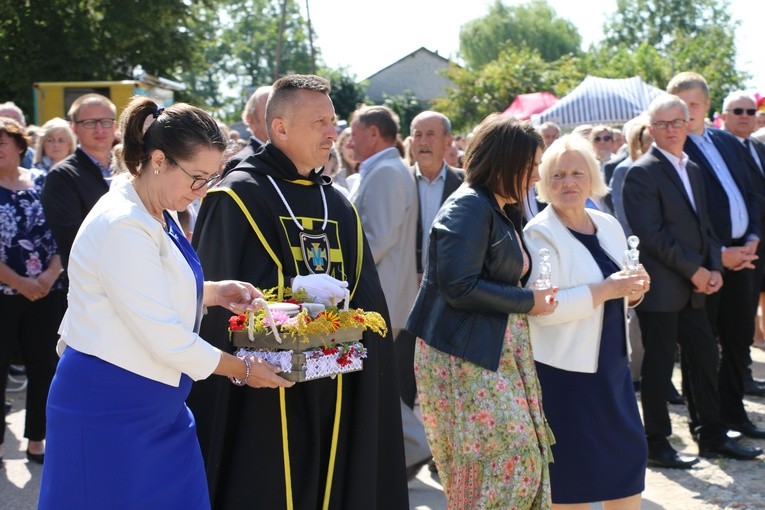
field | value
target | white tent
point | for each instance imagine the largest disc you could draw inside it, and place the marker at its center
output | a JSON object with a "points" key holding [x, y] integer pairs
{"points": [[601, 101]]}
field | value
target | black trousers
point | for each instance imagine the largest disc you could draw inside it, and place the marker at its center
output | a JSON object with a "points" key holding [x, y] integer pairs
{"points": [[34, 325], [731, 313], [661, 330]]}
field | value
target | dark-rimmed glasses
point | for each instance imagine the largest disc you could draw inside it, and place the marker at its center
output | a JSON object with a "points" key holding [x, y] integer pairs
{"points": [[740, 111], [665, 124], [198, 183], [91, 123], [606, 138]]}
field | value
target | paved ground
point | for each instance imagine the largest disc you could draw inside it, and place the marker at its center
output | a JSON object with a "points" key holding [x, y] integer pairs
{"points": [[721, 484]]}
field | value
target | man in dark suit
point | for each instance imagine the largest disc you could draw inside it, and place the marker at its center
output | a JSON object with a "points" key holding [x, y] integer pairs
{"points": [[739, 110], [254, 115], [75, 184], [666, 207], [735, 217]]}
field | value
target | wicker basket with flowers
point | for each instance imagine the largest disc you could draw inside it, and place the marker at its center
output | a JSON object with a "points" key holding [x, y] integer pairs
{"points": [[306, 340]]}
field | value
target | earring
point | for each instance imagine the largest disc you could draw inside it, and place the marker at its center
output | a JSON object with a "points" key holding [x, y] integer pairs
{"points": [[156, 171]]}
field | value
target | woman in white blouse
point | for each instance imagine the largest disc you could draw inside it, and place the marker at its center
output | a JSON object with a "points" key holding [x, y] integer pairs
{"points": [[119, 432]]}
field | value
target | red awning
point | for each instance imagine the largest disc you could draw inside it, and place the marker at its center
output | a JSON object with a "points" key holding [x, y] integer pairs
{"points": [[525, 105]]}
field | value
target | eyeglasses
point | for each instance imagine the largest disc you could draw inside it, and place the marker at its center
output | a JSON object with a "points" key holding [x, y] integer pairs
{"points": [[740, 111], [91, 123], [664, 124], [606, 138], [198, 183]]}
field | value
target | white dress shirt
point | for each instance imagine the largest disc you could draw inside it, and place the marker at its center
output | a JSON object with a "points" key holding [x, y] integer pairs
{"points": [[739, 216], [680, 166], [430, 194]]}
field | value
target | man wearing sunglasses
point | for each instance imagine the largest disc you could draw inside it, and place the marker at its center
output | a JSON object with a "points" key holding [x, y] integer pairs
{"points": [[75, 184], [739, 115], [734, 213]]}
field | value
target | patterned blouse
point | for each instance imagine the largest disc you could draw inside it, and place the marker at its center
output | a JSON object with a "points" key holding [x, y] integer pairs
{"points": [[26, 241]]}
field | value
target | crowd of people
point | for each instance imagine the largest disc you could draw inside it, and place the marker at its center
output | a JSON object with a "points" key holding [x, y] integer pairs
{"points": [[499, 260]]}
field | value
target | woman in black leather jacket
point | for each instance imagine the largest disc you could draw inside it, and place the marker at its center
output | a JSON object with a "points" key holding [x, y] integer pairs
{"points": [[478, 388]]}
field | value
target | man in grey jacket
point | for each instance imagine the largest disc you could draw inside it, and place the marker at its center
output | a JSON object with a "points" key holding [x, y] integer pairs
{"points": [[386, 199]]}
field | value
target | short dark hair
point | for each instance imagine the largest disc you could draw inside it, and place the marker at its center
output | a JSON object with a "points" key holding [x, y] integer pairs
{"points": [[500, 156], [178, 131], [16, 131], [284, 91], [383, 118]]}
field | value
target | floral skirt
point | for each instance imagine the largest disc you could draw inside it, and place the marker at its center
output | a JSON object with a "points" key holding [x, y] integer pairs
{"points": [[486, 429]]}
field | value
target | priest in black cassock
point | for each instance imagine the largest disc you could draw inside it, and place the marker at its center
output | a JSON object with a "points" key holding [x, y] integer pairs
{"points": [[332, 443]]}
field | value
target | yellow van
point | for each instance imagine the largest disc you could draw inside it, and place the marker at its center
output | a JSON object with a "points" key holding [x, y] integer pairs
{"points": [[53, 99]]}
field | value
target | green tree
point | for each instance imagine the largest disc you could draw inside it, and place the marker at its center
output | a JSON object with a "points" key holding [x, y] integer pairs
{"points": [[200, 77], [657, 22], [64, 40], [492, 89], [687, 36], [346, 94], [621, 62], [406, 106], [534, 25], [242, 52], [711, 54]]}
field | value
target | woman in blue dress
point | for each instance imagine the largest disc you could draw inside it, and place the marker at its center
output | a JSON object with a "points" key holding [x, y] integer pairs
{"points": [[119, 432], [582, 350], [31, 295]]}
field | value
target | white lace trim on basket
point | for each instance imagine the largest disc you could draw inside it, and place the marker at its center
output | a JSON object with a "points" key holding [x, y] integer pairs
{"points": [[318, 363]]}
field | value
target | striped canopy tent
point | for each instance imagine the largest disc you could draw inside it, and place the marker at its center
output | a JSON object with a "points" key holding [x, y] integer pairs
{"points": [[601, 101]]}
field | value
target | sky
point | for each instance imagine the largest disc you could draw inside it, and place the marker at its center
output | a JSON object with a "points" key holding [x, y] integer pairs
{"points": [[368, 36]]}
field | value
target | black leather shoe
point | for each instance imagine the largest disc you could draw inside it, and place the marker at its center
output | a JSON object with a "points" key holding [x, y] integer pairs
{"points": [[35, 457], [749, 429], [674, 397], [731, 449], [754, 389], [669, 458], [731, 433]]}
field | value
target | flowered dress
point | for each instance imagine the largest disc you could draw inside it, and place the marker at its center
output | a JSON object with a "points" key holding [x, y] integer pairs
{"points": [[27, 247], [26, 242], [486, 429]]}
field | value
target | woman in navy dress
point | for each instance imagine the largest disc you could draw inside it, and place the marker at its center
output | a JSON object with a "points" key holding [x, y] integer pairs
{"points": [[582, 350], [31, 295], [119, 432]]}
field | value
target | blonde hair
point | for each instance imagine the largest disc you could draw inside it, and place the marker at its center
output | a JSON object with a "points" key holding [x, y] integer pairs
{"points": [[54, 125], [550, 158]]}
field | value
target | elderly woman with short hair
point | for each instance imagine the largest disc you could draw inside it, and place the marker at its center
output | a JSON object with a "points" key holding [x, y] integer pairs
{"points": [[581, 351], [55, 143]]}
